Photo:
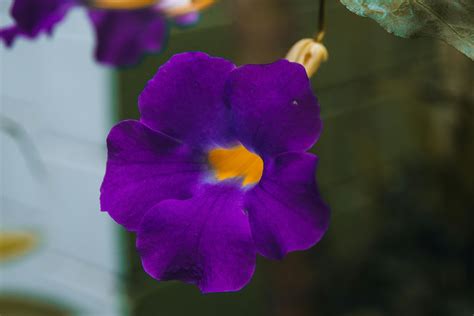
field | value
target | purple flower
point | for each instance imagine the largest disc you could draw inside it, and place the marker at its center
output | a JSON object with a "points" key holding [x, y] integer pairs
{"points": [[123, 36], [33, 17], [215, 171]]}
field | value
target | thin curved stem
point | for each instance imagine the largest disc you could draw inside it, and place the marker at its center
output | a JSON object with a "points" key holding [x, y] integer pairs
{"points": [[321, 21]]}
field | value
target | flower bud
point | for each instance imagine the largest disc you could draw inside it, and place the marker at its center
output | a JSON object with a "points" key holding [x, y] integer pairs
{"points": [[308, 53]]}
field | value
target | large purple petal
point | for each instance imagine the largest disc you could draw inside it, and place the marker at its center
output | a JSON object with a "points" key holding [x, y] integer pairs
{"points": [[205, 240], [145, 167], [32, 17], [274, 107], [124, 36], [185, 99], [285, 209]]}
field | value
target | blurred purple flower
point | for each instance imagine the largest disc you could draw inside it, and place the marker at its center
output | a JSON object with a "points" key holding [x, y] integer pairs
{"points": [[123, 36], [215, 171]]}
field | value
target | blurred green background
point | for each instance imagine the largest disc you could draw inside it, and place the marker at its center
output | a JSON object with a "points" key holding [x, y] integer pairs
{"points": [[396, 167]]}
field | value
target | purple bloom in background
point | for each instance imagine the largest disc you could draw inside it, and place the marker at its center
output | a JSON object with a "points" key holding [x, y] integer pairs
{"points": [[33, 17], [216, 170], [123, 36]]}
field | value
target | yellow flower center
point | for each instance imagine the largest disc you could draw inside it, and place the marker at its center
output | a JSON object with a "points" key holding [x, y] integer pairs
{"points": [[122, 4], [236, 162], [176, 10]]}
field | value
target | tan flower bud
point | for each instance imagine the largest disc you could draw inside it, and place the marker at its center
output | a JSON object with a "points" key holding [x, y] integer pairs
{"points": [[308, 53], [16, 243]]}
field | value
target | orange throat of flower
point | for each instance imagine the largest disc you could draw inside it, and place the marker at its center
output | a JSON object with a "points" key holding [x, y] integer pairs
{"points": [[192, 6], [236, 162], [122, 4]]}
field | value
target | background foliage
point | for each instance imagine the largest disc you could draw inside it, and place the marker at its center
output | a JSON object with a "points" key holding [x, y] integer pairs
{"points": [[449, 20]]}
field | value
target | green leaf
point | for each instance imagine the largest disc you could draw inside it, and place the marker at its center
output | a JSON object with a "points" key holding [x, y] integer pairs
{"points": [[449, 20]]}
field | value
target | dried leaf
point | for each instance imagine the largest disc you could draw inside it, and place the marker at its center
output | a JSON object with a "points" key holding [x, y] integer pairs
{"points": [[449, 20]]}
